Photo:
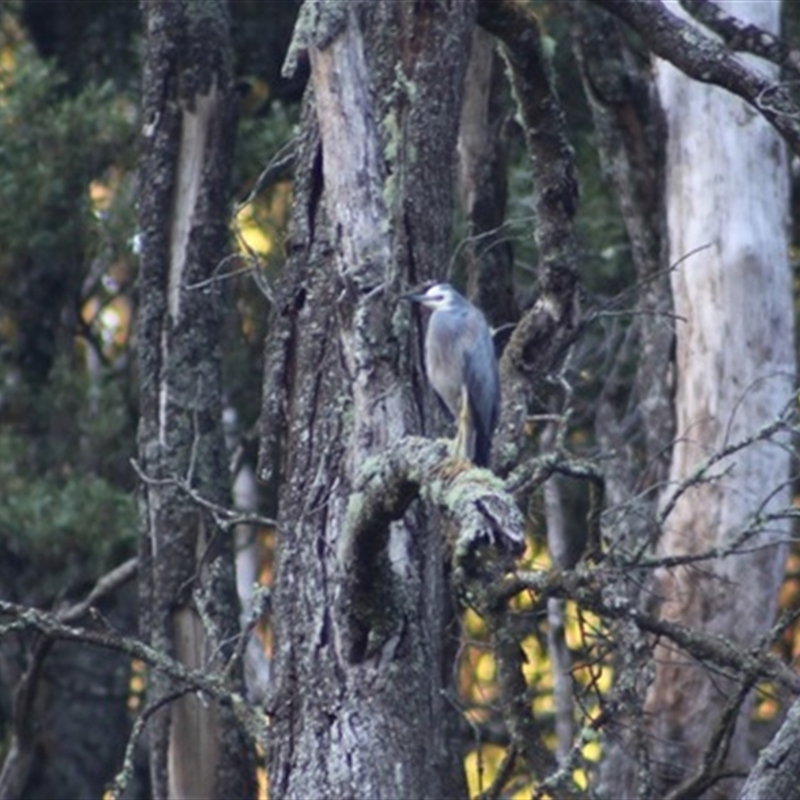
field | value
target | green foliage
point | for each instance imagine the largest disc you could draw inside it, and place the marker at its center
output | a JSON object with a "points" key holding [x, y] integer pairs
{"points": [[59, 534], [52, 145], [67, 513]]}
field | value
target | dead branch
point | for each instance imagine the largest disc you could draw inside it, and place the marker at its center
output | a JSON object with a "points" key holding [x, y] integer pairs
{"points": [[590, 589], [700, 474], [123, 777], [224, 517], [22, 618], [17, 762]]}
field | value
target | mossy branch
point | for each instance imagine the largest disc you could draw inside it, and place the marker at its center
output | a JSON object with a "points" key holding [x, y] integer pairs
{"points": [[482, 517]]}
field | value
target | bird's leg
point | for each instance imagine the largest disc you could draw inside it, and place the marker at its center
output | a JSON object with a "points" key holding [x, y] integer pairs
{"points": [[463, 444], [461, 447]]}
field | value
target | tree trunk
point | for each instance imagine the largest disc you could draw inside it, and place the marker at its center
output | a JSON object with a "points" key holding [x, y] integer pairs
{"points": [[727, 191], [188, 595], [360, 710]]}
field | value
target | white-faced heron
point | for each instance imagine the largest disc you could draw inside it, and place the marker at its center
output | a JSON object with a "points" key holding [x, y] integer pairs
{"points": [[461, 366]]}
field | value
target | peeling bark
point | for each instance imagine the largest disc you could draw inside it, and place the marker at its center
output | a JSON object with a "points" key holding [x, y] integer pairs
{"points": [[372, 214]]}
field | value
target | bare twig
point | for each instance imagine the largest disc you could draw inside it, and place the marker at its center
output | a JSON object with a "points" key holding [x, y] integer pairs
{"points": [[124, 776], [700, 472], [504, 772], [20, 752], [588, 588], [105, 585], [225, 518], [212, 684]]}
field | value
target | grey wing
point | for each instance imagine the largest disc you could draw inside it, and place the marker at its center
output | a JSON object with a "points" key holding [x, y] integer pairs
{"points": [[443, 359], [482, 379]]}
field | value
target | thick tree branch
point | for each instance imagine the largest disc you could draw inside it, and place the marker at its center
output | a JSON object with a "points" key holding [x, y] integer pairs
{"points": [[703, 59], [548, 329], [742, 36], [473, 499]]}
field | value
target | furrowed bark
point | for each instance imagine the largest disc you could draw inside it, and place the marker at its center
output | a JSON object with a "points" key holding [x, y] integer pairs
{"points": [[188, 596]]}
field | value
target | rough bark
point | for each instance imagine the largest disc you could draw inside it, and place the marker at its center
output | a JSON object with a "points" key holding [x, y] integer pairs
{"points": [[544, 334], [727, 189], [372, 214], [188, 598], [634, 424]]}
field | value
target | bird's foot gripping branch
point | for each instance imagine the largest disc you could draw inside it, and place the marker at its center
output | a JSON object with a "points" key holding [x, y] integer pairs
{"points": [[483, 531]]}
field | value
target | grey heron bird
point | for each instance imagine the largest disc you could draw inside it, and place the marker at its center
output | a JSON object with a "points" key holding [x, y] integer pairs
{"points": [[461, 366]]}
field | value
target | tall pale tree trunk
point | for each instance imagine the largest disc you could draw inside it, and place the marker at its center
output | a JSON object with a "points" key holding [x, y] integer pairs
{"points": [[361, 711], [189, 607], [727, 191]]}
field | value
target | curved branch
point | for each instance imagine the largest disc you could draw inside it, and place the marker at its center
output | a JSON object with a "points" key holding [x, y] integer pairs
{"points": [[547, 330], [743, 36], [473, 499], [705, 60], [480, 514]]}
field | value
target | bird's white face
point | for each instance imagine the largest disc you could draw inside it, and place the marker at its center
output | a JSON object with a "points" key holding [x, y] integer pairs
{"points": [[440, 295]]}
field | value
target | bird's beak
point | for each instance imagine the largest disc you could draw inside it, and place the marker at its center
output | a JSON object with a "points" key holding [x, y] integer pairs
{"points": [[413, 297]]}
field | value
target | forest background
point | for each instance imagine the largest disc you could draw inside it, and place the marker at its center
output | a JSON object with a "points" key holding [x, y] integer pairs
{"points": [[208, 212]]}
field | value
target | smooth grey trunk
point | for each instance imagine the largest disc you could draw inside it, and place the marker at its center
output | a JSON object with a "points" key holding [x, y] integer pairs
{"points": [[727, 192]]}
